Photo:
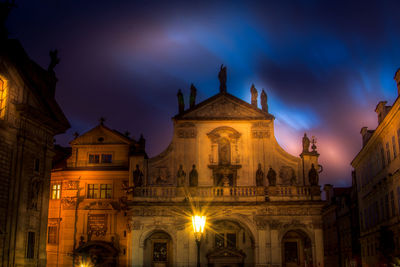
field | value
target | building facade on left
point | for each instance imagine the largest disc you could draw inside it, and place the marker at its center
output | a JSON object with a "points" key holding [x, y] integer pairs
{"points": [[29, 119]]}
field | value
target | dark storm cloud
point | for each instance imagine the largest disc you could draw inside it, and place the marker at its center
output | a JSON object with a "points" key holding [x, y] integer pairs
{"points": [[324, 64]]}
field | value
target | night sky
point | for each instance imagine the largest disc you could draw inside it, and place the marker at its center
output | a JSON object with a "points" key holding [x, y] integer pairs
{"points": [[324, 64]]}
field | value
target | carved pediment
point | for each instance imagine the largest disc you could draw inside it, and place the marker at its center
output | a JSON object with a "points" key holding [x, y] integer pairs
{"points": [[232, 254], [224, 106], [101, 135]]}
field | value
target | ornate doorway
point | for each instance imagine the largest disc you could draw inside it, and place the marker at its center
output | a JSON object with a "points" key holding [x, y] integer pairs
{"points": [[158, 250], [229, 244], [97, 254], [296, 249]]}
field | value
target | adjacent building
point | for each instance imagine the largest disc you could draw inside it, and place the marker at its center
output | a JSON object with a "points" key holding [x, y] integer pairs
{"points": [[341, 227], [111, 205], [29, 119], [378, 185]]}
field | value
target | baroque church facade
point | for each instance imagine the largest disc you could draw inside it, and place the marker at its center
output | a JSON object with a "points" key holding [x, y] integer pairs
{"points": [[111, 205]]}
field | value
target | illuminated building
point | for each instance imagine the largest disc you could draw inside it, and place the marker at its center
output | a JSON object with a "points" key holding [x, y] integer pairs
{"points": [[263, 205], [29, 119], [378, 185]]}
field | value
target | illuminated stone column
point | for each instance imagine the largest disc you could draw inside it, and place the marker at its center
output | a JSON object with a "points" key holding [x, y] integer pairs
{"points": [[136, 251], [319, 246], [276, 259]]}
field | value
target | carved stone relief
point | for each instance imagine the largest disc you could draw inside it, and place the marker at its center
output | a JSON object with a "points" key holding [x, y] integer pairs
{"points": [[97, 224], [70, 185], [260, 130], [69, 203], [287, 175], [186, 130]]}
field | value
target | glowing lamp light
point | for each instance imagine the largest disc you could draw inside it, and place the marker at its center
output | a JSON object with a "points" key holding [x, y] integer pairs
{"points": [[198, 223]]}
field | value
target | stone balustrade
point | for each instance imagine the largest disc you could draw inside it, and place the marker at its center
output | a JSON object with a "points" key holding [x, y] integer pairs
{"points": [[226, 193]]}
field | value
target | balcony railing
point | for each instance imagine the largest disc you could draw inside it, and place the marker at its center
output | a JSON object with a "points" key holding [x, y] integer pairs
{"points": [[226, 193]]}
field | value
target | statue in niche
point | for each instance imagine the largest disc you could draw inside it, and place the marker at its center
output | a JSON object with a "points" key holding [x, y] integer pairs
{"points": [[224, 152], [306, 144], [264, 99], [259, 176], [181, 102], [137, 177], [313, 176], [36, 185], [193, 177], [181, 176], [222, 79], [271, 177], [254, 95], [193, 93]]}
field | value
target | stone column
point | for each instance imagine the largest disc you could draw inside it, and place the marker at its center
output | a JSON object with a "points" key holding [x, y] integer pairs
{"points": [[262, 255], [319, 247], [276, 247], [137, 250]]}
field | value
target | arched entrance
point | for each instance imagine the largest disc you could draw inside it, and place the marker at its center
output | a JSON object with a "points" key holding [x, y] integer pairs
{"points": [[97, 254], [158, 250], [229, 244], [296, 249]]}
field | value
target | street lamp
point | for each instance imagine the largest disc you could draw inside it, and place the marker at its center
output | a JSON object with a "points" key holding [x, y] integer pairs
{"points": [[198, 227]]}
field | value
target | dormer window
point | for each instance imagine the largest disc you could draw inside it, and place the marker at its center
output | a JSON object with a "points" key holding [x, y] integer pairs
{"points": [[100, 158]]}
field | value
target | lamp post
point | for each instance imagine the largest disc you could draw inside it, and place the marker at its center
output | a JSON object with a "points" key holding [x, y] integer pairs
{"points": [[198, 227]]}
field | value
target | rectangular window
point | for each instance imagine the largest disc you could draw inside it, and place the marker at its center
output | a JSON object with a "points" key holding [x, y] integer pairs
{"points": [[392, 203], [231, 240], [383, 157], [382, 210], [394, 147], [55, 191], [105, 191], [388, 152], [30, 247], [106, 158], [93, 191], [94, 158], [398, 138], [387, 206], [36, 165], [219, 240], [52, 235], [398, 199]]}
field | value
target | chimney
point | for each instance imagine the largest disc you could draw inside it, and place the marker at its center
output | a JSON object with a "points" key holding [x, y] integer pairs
{"points": [[328, 188], [365, 134], [397, 79], [382, 110]]}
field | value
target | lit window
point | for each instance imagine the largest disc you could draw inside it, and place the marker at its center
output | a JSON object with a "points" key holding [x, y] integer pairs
{"points": [[225, 240], [52, 235], [94, 158], [3, 94], [93, 191], [55, 191], [105, 191], [106, 158]]}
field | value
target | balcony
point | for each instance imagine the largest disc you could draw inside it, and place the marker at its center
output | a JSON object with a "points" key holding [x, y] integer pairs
{"points": [[225, 193]]}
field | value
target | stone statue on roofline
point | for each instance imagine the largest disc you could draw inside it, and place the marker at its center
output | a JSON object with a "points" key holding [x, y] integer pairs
{"points": [[222, 79], [259, 176], [313, 176], [181, 103], [264, 99], [271, 177], [306, 144], [181, 175], [254, 95], [193, 93]]}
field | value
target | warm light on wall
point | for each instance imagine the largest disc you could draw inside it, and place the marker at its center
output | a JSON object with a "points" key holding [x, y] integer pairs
{"points": [[3, 95]]}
